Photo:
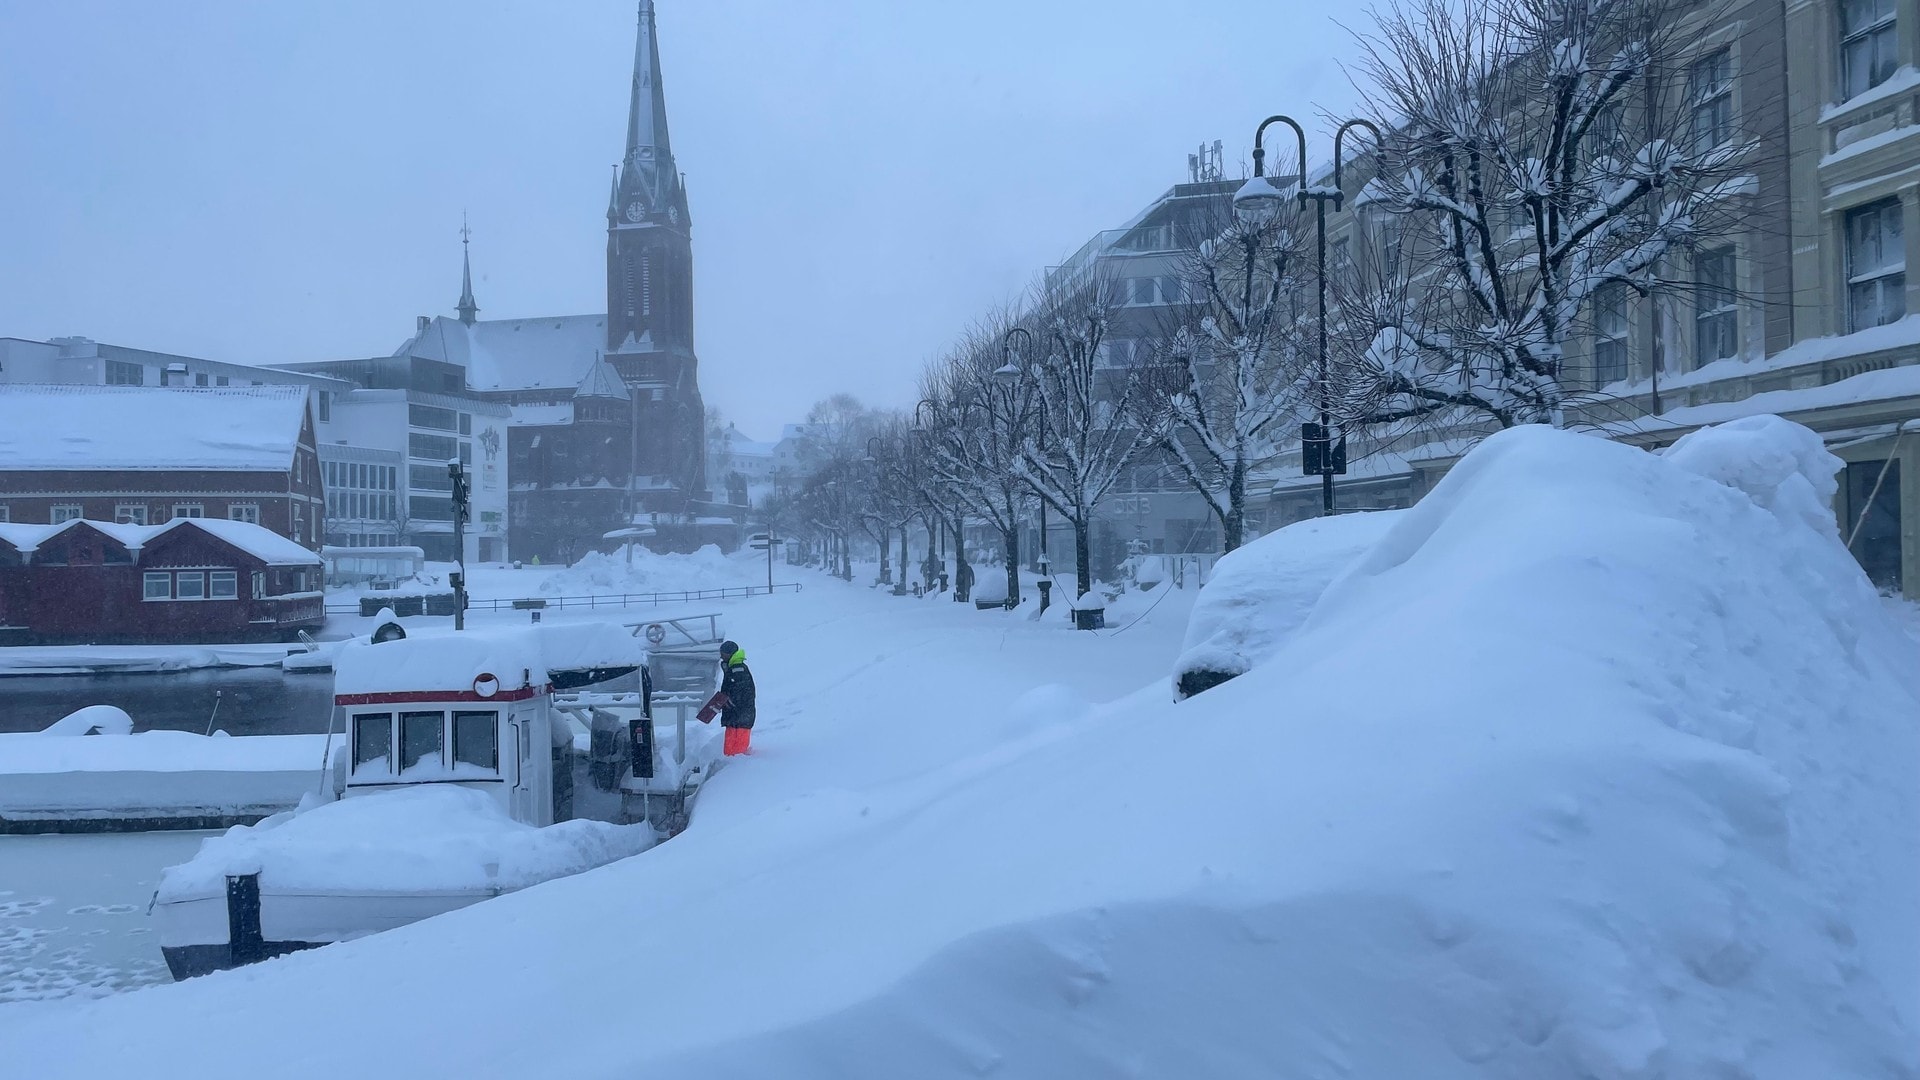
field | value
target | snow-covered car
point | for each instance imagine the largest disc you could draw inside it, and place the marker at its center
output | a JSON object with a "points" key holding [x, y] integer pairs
{"points": [[1262, 592]]}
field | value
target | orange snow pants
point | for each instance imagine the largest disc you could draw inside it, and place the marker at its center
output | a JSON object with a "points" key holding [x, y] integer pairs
{"points": [[737, 739]]}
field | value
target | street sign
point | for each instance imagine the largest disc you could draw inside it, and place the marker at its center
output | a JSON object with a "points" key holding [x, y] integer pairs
{"points": [[1316, 457]]}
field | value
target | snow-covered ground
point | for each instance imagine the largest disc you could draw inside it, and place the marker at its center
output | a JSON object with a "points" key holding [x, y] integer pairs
{"points": [[1595, 764]]}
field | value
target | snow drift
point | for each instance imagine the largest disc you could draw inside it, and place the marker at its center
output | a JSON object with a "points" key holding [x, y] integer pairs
{"points": [[599, 573], [1597, 764]]}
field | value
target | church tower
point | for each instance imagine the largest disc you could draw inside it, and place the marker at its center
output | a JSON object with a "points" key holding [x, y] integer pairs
{"points": [[650, 288]]}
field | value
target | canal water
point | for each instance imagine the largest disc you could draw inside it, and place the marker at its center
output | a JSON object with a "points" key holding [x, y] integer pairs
{"points": [[73, 913], [252, 701]]}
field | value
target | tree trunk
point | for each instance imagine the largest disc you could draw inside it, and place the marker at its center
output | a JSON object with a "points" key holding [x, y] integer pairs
{"points": [[1233, 529], [901, 588], [886, 578], [1083, 555], [962, 589], [1012, 537]]}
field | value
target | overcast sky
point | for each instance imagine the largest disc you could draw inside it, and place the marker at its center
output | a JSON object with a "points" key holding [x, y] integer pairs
{"points": [[275, 182]]}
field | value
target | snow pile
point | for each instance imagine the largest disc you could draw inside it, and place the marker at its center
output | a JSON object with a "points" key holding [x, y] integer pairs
{"points": [[424, 838], [1259, 594], [92, 720], [153, 773], [1591, 766], [447, 661], [600, 574]]}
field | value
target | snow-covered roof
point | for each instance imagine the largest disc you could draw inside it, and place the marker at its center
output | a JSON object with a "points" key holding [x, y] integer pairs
{"points": [[449, 662], [255, 540], [540, 415], [552, 353], [250, 428]]}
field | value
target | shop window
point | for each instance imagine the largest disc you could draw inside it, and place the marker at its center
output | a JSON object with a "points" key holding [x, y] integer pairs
{"points": [[1872, 519]]}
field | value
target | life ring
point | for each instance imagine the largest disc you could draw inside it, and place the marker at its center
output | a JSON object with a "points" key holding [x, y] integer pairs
{"points": [[656, 633]]}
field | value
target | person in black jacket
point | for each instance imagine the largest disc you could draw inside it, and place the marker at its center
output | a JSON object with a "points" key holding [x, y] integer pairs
{"points": [[734, 700]]}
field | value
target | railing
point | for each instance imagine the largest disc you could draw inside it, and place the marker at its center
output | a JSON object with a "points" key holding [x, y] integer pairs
{"points": [[611, 600]]}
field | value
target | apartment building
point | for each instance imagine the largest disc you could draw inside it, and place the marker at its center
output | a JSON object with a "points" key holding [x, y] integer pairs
{"points": [[1803, 310]]}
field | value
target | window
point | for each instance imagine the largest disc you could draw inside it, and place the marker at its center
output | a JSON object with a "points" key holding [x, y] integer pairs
{"points": [[420, 740], [6, 515], [121, 373], [130, 513], [1710, 94], [429, 478], [466, 423], [1872, 501], [190, 585], [1876, 265], [646, 285], [156, 585], [373, 742], [220, 380], [247, 512], [476, 740], [223, 585], [432, 447], [192, 510], [1869, 45], [326, 406], [258, 584], [1715, 317], [200, 379], [432, 416], [65, 512], [1610, 330]]}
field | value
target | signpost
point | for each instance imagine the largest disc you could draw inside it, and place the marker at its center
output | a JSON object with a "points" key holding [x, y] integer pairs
{"points": [[765, 542]]}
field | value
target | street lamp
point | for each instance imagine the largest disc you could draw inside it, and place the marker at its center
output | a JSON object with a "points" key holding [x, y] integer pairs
{"points": [[459, 497], [1255, 204], [1013, 372]]}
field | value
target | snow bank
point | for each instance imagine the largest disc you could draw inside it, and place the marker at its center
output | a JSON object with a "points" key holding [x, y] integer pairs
{"points": [[1260, 594], [425, 838], [601, 574], [1591, 766], [154, 774]]}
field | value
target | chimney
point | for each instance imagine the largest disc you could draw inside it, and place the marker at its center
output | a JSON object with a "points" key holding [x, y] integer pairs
{"points": [[421, 322]]}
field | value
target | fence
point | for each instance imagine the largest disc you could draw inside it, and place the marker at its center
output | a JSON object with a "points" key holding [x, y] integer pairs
{"points": [[609, 600]]}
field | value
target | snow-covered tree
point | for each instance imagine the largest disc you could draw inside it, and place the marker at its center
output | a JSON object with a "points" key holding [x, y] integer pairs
{"points": [[1233, 384], [1539, 153], [977, 452], [1087, 424]]}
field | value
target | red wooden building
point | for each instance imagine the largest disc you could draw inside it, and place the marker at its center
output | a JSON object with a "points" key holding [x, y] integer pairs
{"points": [[188, 581], [145, 454]]}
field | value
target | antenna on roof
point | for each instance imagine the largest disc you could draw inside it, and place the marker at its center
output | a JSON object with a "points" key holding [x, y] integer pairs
{"points": [[1204, 167]]}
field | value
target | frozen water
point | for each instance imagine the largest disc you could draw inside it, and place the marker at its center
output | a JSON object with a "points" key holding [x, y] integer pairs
{"points": [[73, 917]]}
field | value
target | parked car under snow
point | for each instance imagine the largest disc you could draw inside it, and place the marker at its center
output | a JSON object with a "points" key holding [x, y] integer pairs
{"points": [[1261, 593]]}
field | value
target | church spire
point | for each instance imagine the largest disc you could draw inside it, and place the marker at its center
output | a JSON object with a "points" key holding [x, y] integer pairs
{"points": [[649, 187], [467, 308]]}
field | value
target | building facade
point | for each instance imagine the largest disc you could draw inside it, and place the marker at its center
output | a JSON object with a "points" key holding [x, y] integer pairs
{"points": [[189, 580], [1803, 310]]}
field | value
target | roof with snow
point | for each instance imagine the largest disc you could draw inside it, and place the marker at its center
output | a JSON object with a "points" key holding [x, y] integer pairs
{"points": [[552, 353], [256, 540], [246, 428]]}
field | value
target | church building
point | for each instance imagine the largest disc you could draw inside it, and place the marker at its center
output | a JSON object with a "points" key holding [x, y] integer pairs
{"points": [[607, 427]]}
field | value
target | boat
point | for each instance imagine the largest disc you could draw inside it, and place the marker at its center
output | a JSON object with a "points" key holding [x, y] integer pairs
{"points": [[448, 780]]}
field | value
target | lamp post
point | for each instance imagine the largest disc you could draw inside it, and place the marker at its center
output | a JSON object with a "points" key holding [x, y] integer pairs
{"points": [[1256, 203], [1012, 372], [457, 478]]}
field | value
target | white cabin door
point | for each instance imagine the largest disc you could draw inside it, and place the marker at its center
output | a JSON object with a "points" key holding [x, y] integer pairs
{"points": [[522, 797]]}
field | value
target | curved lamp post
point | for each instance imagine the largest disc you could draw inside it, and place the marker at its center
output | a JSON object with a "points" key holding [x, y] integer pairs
{"points": [[1255, 204]]}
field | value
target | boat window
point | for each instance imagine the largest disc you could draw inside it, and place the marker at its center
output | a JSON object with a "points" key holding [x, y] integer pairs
{"points": [[476, 740], [372, 742], [420, 739]]}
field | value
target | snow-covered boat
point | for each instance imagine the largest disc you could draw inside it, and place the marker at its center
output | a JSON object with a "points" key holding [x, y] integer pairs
{"points": [[454, 784]]}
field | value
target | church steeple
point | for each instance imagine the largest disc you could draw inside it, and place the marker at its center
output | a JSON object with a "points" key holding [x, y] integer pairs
{"points": [[467, 308], [649, 186]]}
